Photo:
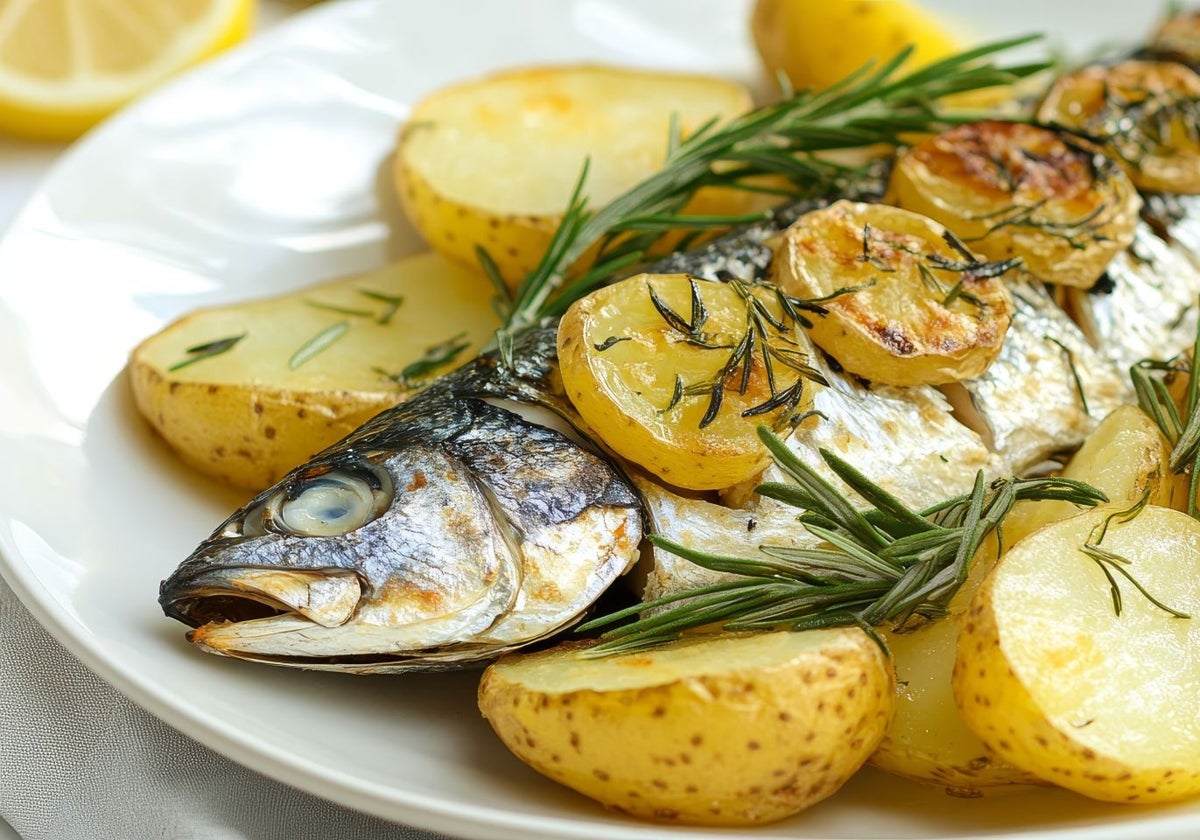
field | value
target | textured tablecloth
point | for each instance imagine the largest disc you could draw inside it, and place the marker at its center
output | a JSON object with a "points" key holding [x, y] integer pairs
{"points": [[79, 762]]}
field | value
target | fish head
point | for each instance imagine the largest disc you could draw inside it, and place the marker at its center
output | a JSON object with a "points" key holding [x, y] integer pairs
{"points": [[419, 556]]}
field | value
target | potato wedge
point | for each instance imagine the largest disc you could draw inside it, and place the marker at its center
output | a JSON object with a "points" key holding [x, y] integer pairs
{"points": [[247, 391], [1016, 190], [904, 306], [815, 44], [727, 729], [927, 740], [652, 365], [1144, 112], [1053, 679], [492, 162]]}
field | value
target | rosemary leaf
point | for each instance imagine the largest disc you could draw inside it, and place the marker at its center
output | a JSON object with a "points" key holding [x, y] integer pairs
{"points": [[200, 352], [318, 344]]}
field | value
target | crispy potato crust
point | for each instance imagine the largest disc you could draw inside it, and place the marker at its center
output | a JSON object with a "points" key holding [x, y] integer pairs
{"points": [[717, 730]]}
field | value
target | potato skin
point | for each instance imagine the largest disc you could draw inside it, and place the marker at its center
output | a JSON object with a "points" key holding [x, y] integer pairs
{"points": [[716, 742], [1049, 677], [247, 436]]}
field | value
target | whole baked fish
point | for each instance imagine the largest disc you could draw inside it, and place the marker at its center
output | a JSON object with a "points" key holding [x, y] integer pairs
{"points": [[446, 530], [454, 527]]}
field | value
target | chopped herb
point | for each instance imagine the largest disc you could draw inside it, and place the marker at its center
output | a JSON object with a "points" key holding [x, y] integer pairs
{"points": [[318, 344], [610, 341], [435, 357], [392, 305], [207, 350], [1110, 562], [1079, 392], [341, 310]]}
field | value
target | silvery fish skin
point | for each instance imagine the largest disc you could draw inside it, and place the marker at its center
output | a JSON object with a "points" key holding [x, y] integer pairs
{"points": [[1046, 392], [1147, 308], [445, 531]]}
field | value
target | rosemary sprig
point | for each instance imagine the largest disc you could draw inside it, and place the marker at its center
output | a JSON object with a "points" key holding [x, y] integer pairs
{"points": [[881, 565], [875, 105], [1110, 562], [1181, 429], [769, 339]]}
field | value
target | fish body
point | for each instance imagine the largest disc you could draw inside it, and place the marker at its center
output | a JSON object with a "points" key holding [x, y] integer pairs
{"points": [[1051, 385], [453, 527]]}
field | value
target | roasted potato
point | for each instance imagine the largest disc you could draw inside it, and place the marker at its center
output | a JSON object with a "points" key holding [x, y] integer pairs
{"points": [[652, 364], [726, 729], [1178, 38], [1016, 190], [903, 305], [815, 44], [1126, 457], [491, 163], [1057, 680], [245, 392], [1144, 111], [927, 740]]}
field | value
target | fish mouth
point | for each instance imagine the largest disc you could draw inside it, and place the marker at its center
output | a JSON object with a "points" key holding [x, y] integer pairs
{"points": [[326, 597]]}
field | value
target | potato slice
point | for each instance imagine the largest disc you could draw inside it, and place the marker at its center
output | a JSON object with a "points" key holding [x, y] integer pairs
{"points": [[666, 396], [292, 374], [914, 309], [1144, 111], [728, 729], [1016, 190], [1126, 457], [492, 162], [927, 740], [1053, 679], [816, 44]]}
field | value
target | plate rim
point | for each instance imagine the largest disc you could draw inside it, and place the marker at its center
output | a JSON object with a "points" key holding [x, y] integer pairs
{"points": [[408, 808]]}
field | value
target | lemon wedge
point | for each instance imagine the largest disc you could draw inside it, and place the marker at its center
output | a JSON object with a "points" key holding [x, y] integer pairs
{"points": [[818, 42], [67, 64]]}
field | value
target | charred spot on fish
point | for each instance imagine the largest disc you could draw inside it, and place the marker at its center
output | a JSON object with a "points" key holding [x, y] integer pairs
{"points": [[1162, 211], [1105, 285]]}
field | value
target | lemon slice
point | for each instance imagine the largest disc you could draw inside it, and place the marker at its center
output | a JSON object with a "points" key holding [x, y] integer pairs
{"points": [[66, 64]]}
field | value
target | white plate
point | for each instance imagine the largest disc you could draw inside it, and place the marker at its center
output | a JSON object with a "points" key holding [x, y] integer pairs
{"points": [[260, 172]]}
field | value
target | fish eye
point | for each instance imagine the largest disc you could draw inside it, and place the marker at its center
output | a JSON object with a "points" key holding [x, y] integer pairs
{"points": [[330, 504]]}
